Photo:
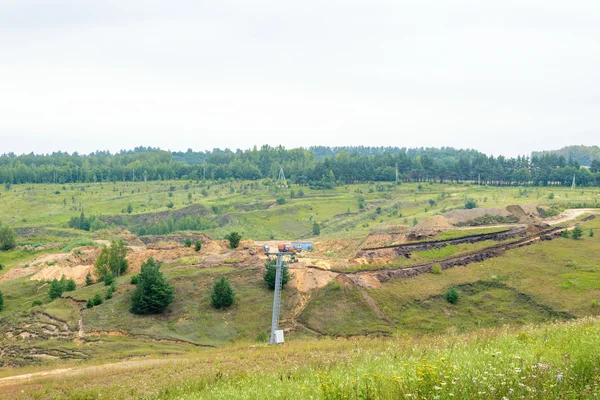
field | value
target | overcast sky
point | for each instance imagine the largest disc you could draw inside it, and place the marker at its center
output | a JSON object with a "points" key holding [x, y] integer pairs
{"points": [[504, 77]]}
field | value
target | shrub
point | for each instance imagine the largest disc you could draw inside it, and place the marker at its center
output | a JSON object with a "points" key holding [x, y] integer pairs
{"points": [[436, 269], [152, 292], [36, 302], [591, 235], [452, 296], [89, 303], [577, 233], [70, 285], [316, 229], [109, 279], [170, 204], [234, 239], [198, 245], [97, 300], [56, 289], [222, 295], [109, 292], [550, 196], [565, 234], [2, 265], [271, 272], [88, 279], [1, 301], [134, 279], [188, 242], [262, 337], [8, 238], [470, 203], [281, 200]]}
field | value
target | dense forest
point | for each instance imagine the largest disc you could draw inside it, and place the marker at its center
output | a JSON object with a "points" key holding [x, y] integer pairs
{"points": [[584, 155], [320, 167]]}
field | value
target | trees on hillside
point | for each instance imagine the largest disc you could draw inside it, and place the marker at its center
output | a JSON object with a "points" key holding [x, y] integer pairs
{"points": [[271, 271], [8, 237], [234, 239], [152, 292], [577, 233], [222, 295], [56, 289], [316, 229], [112, 260], [470, 204]]}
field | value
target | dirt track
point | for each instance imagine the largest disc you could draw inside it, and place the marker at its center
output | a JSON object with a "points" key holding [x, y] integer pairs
{"points": [[114, 367]]}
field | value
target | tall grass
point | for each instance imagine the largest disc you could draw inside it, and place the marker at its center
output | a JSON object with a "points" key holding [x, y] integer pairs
{"points": [[548, 362]]}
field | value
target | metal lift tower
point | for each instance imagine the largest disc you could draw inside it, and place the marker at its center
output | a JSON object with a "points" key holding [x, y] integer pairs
{"points": [[276, 334]]}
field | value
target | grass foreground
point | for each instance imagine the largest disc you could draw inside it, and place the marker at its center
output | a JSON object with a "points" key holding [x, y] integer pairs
{"points": [[549, 361]]}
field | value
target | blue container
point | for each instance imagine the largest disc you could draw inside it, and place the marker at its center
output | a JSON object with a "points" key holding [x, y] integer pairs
{"points": [[306, 246]]}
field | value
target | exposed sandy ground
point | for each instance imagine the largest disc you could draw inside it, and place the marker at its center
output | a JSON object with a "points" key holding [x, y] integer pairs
{"points": [[307, 279], [77, 273], [570, 214], [55, 262]]}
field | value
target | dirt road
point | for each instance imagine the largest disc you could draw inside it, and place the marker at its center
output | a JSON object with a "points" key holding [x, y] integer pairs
{"points": [[113, 367]]}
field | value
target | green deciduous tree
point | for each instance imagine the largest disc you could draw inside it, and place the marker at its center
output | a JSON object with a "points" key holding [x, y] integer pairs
{"points": [[8, 238], [117, 258], [222, 295], [101, 265], [316, 229], [470, 203], [152, 293], [234, 239]]}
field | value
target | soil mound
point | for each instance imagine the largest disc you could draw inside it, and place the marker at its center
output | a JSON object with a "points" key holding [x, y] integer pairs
{"points": [[307, 279], [215, 246], [527, 213], [465, 216], [429, 227]]}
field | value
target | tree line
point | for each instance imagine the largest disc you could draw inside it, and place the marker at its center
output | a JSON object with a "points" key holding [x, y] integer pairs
{"points": [[320, 167]]}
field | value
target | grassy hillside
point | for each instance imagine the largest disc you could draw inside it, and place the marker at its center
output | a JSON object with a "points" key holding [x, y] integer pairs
{"points": [[548, 283], [256, 213], [558, 361]]}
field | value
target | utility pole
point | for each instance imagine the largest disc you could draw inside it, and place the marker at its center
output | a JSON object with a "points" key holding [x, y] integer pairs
{"points": [[282, 251], [276, 301]]}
